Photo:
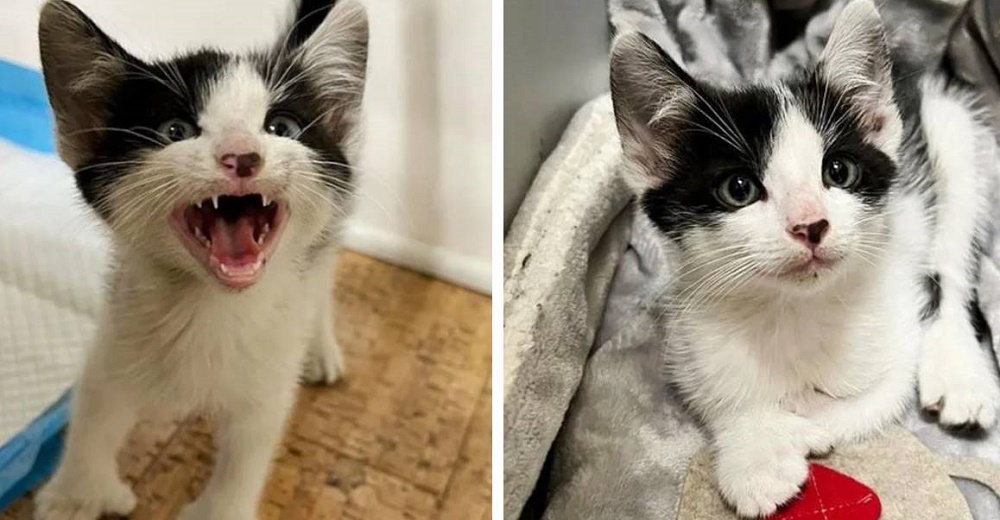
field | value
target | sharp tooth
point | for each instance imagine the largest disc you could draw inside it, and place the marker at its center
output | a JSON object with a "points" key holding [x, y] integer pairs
{"points": [[265, 200], [201, 236], [215, 201], [198, 204]]}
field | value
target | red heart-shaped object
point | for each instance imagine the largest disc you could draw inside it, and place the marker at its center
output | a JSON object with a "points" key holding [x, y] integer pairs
{"points": [[829, 495]]}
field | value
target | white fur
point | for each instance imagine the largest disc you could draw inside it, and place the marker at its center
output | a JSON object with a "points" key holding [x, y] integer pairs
{"points": [[172, 341]]}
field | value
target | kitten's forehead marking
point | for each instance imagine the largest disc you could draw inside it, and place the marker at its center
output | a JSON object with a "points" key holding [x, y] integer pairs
{"points": [[238, 99], [796, 158]]}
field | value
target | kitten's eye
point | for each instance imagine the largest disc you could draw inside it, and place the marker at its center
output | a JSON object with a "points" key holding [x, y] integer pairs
{"points": [[177, 130], [840, 172], [738, 190], [283, 126]]}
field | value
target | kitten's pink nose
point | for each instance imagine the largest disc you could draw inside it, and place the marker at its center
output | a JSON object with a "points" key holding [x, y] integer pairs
{"points": [[810, 234], [244, 165]]}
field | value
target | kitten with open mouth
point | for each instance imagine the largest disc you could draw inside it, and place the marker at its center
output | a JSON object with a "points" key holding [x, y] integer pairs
{"points": [[224, 181]]}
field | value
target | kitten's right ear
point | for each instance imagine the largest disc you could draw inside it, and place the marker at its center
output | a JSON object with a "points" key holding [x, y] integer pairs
{"points": [[856, 60], [82, 67], [652, 96], [335, 52]]}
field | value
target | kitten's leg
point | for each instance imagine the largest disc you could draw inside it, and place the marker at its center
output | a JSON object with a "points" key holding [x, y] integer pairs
{"points": [[324, 362], [855, 417], [87, 483], [246, 440], [955, 376], [760, 458]]}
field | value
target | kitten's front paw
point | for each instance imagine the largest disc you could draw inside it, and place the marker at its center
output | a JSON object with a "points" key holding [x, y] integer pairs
{"points": [[956, 381], [760, 471], [760, 487], [323, 364], [56, 502]]}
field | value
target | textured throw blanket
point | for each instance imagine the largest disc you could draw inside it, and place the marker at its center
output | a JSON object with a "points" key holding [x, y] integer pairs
{"points": [[590, 428]]}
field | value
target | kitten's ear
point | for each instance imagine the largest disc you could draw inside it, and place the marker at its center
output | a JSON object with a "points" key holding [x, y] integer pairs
{"points": [[309, 14], [856, 60], [82, 67], [652, 97], [335, 53]]}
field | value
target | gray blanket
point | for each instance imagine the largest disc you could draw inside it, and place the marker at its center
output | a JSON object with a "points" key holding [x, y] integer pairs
{"points": [[589, 425]]}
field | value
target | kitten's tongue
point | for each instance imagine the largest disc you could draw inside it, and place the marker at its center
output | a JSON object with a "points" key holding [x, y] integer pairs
{"points": [[233, 242]]}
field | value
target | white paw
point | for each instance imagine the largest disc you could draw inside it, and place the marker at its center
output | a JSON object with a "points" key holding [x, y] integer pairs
{"points": [[323, 364], [56, 502], [759, 471], [956, 379]]}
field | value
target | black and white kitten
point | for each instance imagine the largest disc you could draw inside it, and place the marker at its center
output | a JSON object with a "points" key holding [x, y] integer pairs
{"points": [[224, 182], [828, 231]]}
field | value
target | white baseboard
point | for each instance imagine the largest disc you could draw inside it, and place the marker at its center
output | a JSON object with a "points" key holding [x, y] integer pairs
{"points": [[469, 272]]}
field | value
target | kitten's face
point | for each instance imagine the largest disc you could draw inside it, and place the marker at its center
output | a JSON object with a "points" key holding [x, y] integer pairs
{"points": [[211, 164], [782, 184]]}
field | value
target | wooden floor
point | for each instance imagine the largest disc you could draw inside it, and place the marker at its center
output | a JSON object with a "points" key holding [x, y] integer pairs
{"points": [[405, 436]]}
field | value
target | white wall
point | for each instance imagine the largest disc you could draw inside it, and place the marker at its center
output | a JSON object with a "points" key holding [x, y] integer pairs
{"points": [[425, 194]]}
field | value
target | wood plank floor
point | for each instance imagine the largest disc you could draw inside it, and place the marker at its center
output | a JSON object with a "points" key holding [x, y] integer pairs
{"points": [[406, 435]]}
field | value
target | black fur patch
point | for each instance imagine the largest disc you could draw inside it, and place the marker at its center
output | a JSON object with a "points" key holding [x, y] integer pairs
{"points": [[823, 104], [308, 17], [978, 320], [704, 157], [932, 284], [306, 104], [146, 96]]}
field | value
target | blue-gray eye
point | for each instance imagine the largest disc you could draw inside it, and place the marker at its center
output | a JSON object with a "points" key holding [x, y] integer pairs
{"points": [[177, 130], [283, 126], [841, 172], [738, 190]]}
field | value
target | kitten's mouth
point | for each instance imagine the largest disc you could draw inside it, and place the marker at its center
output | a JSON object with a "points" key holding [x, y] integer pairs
{"points": [[231, 235], [809, 267]]}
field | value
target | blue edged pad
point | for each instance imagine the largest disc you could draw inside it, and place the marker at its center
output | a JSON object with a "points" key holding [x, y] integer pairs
{"points": [[32, 455], [25, 114]]}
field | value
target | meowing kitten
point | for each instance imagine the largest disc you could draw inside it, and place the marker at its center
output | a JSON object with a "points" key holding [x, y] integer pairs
{"points": [[224, 183], [827, 230]]}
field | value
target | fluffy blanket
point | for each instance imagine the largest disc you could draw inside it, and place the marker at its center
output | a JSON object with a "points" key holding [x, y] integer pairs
{"points": [[590, 429]]}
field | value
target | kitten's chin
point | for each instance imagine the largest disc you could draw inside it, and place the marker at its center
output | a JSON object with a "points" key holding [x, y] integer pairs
{"points": [[231, 236], [807, 275]]}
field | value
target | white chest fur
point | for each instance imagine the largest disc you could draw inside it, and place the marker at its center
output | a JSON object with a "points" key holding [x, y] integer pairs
{"points": [[184, 347]]}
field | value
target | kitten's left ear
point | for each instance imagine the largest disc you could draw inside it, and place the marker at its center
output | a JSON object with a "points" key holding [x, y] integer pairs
{"points": [[83, 66], [856, 61], [335, 52]]}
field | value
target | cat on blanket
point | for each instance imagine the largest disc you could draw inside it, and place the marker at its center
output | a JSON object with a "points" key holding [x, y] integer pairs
{"points": [[224, 183], [828, 231]]}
